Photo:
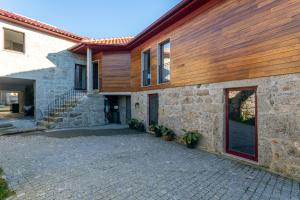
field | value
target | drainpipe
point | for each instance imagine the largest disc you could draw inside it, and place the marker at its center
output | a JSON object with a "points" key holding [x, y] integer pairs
{"points": [[89, 65]]}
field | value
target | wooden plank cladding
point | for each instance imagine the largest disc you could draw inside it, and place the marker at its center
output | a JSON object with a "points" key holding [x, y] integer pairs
{"points": [[231, 40], [114, 71]]}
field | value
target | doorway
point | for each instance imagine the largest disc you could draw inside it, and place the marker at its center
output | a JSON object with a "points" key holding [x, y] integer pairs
{"points": [[112, 110], [153, 109], [17, 98], [241, 122]]}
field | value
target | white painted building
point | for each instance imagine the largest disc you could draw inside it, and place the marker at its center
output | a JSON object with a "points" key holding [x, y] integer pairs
{"points": [[43, 60]]}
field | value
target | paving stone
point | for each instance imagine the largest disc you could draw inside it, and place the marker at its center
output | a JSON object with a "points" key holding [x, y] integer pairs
{"points": [[135, 166]]}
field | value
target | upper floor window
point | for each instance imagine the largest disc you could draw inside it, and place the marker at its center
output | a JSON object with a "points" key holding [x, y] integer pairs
{"points": [[13, 40], [164, 59], [146, 68]]}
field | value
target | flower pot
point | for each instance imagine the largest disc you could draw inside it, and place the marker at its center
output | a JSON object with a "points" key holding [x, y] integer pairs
{"points": [[168, 137], [157, 134], [192, 145]]}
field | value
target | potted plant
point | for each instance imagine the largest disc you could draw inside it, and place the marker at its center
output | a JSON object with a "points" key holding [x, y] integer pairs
{"points": [[168, 134], [157, 130], [152, 127], [140, 126], [132, 123], [191, 138], [136, 124]]}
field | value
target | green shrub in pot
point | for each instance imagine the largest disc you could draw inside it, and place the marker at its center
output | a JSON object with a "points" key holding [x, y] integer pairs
{"points": [[157, 130], [168, 134], [136, 124], [191, 138], [152, 127], [140, 126], [132, 123]]}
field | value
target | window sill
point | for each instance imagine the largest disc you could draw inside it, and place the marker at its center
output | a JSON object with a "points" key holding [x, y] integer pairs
{"points": [[146, 86], [164, 83]]}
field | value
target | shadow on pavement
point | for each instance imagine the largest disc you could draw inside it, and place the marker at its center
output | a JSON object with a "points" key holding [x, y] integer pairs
{"points": [[84, 132]]}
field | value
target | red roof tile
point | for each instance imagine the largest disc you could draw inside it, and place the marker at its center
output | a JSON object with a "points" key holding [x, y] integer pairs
{"points": [[108, 41], [31, 23]]}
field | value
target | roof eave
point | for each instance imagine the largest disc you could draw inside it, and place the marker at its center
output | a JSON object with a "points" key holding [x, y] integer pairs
{"points": [[67, 37], [81, 48], [175, 14]]}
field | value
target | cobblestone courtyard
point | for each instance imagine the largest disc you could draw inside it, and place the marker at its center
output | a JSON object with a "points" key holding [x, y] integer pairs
{"points": [[135, 166]]}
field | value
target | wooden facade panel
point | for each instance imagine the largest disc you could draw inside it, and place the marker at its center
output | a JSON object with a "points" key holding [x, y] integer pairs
{"points": [[234, 40], [115, 72]]}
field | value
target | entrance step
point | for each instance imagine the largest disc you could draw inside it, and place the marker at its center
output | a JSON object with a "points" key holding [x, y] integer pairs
{"points": [[54, 119], [6, 125], [46, 124], [14, 131]]}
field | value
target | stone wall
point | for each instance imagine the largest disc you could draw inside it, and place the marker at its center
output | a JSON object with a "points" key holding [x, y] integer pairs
{"points": [[88, 112], [202, 107], [46, 60], [122, 109]]}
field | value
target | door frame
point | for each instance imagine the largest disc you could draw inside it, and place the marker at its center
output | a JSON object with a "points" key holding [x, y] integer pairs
{"points": [[149, 95], [227, 149]]}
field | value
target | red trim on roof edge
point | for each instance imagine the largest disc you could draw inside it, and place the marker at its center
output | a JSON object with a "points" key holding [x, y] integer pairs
{"points": [[81, 48], [172, 16], [30, 23], [178, 12]]}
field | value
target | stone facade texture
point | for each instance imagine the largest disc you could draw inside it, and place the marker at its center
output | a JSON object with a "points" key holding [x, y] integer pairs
{"points": [[88, 112], [45, 60], [202, 107], [122, 109]]}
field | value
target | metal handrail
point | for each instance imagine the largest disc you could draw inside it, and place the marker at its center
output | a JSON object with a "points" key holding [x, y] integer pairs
{"points": [[63, 101]]}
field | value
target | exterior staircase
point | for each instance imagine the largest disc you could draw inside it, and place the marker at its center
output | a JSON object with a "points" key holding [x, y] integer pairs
{"points": [[60, 108]]}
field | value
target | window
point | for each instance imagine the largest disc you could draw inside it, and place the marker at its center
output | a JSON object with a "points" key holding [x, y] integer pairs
{"points": [[164, 59], [13, 40], [95, 75], [80, 77], [146, 68]]}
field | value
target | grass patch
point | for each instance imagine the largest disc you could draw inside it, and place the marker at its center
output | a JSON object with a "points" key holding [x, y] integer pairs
{"points": [[4, 190]]}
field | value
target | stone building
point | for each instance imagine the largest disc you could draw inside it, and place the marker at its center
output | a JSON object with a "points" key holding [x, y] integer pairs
{"points": [[229, 69]]}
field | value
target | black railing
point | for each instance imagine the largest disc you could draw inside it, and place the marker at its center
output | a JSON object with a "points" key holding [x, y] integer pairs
{"points": [[63, 102]]}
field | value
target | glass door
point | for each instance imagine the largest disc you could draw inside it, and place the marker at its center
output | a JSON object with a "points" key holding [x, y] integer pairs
{"points": [[241, 122]]}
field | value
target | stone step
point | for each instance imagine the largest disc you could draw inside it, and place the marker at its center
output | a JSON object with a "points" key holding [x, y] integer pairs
{"points": [[6, 128], [6, 125], [61, 109], [74, 114], [46, 124], [21, 130], [54, 119], [56, 114]]}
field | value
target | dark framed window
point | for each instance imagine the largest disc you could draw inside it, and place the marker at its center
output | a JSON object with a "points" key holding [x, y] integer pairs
{"points": [[164, 61], [80, 77], [14, 40], [95, 75], [146, 68]]}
